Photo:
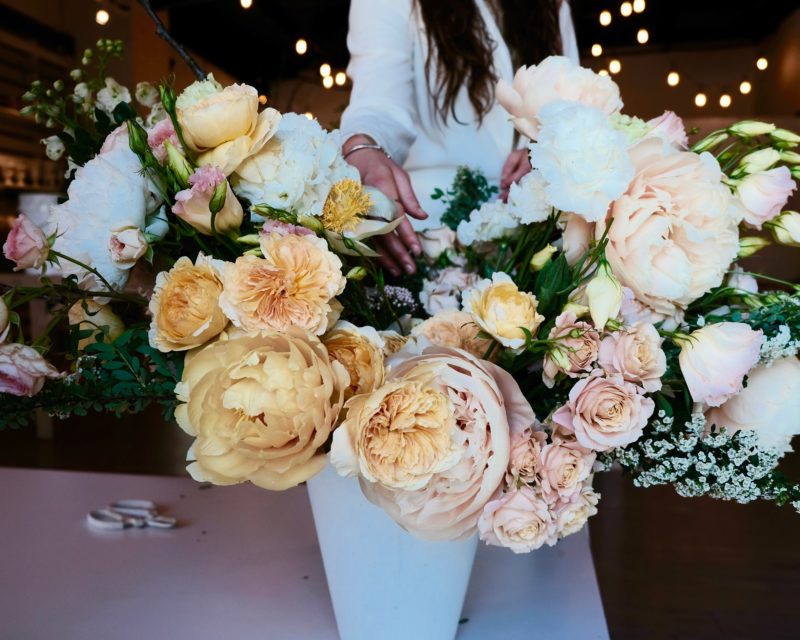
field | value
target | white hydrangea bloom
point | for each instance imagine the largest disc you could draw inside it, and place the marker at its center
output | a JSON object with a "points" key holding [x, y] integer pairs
{"points": [[491, 222], [583, 159], [527, 202]]}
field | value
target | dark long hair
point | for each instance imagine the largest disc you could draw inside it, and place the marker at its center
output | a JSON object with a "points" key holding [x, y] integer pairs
{"points": [[462, 52]]}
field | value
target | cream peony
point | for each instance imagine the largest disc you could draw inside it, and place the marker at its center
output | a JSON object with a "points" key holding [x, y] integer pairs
{"points": [[292, 285], [432, 444], [635, 354], [360, 351], [23, 371], [260, 407], [90, 316], [185, 305], [768, 405], [604, 412], [453, 328], [555, 78], [503, 311], [565, 465], [675, 229], [582, 159], [519, 520], [764, 194], [224, 124], [575, 351], [715, 359]]}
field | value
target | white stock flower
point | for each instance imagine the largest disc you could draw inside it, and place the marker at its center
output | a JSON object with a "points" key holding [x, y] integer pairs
{"points": [[491, 222], [53, 147], [526, 199], [582, 158], [111, 95]]}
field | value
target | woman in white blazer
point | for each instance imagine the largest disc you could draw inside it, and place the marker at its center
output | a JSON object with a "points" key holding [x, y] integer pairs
{"points": [[414, 119]]}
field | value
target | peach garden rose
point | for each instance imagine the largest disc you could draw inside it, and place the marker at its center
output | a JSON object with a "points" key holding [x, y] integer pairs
{"points": [[360, 351], [453, 328]]}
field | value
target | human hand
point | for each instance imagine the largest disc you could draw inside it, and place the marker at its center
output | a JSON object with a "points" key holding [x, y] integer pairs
{"points": [[379, 171], [516, 166]]}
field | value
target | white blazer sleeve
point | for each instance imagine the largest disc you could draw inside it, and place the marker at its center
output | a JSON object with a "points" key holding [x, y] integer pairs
{"points": [[568, 40], [380, 40]]}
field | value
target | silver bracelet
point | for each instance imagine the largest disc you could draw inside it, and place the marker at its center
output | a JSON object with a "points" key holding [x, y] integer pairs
{"points": [[359, 147]]}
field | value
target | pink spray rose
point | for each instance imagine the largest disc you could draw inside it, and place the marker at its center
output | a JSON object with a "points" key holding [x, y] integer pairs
{"points": [[604, 412], [26, 245], [22, 370], [578, 343], [635, 353], [715, 359], [519, 520], [764, 194], [525, 462], [565, 465]]}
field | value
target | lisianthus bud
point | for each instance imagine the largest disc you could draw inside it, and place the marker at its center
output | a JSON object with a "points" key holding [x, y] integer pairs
{"points": [[760, 160], [178, 163], [605, 296], [790, 157], [356, 273], [749, 245], [710, 141], [542, 257], [137, 137], [795, 172], [747, 128], [251, 238], [5, 317], [786, 228], [578, 309], [311, 222], [784, 135]]}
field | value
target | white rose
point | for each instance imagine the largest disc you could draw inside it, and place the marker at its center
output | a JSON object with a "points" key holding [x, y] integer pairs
{"points": [[444, 291], [437, 241]]}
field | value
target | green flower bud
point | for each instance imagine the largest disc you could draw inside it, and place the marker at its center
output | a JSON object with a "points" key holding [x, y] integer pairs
{"points": [[178, 163], [748, 128], [357, 273], [786, 228], [784, 135], [760, 160], [58, 85], [542, 257], [710, 141], [790, 157], [311, 222], [750, 245], [137, 138]]}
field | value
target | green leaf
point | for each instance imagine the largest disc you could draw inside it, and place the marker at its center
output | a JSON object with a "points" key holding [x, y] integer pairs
{"points": [[552, 284]]}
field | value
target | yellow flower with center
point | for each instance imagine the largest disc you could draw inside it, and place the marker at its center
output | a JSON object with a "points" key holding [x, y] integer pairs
{"points": [[346, 205]]}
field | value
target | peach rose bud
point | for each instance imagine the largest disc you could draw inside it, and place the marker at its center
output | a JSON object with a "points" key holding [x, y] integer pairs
{"points": [[715, 359], [26, 245], [127, 246]]}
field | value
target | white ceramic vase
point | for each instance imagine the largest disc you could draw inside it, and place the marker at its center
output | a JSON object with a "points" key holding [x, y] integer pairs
{"points": [[385, 583]]}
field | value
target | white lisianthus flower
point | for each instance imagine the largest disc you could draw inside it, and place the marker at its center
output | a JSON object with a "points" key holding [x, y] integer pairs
{"points": [[111, 95], [491, 222], [526, 199], [583, 159], [295, 169]]}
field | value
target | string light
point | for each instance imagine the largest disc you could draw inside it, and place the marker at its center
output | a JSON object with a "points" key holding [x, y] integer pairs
{"points": [[745, 87], [605, 18], [725, 101], [341, 78], [626, 8], [327, 82], [638, 6], [602, 72], [700, 100], [246, 4], [597, 50], [301, 46], [762, 64], [262, 99], [642, 36], [615, 66], [325, 70], [102, 17], [673, 78]]}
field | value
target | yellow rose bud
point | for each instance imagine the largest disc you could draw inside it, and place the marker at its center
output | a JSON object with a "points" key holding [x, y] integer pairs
{"points": [[542, 257], [604, 293], [749, 245]]}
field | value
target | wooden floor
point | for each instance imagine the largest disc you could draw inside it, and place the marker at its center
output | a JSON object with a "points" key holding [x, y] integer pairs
{"points": [[669, 568]]}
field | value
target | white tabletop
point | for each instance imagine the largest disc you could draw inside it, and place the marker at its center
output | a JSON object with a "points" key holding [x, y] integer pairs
{"points": [[244, 564]]}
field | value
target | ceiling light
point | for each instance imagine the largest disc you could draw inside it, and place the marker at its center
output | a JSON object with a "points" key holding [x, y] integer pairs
{"points": [[340, 78], [725, 101], [615, 66], [762, 64], [745, 87], [325, 70], [301, 46], [327, 82], [597, 50], [626, 9], [246, 4], [638, 6], [673, 78], [262, 99], [101, 17], [642, 36], [309, 115], [605, 18], [602, 72], [700, 100]]}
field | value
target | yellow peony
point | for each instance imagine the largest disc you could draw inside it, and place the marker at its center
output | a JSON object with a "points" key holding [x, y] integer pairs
{"points": [[360, 351], [223, 124], [293, 285], [452, 328], [260, 406], [184, 305], [503, 311]]}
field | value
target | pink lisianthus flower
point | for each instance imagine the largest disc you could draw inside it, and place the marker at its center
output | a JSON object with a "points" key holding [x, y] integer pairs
{"points": [[162, 132]]}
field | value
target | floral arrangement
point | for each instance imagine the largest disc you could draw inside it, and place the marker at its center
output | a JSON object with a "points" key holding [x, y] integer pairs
{"points": [[218, 259]]}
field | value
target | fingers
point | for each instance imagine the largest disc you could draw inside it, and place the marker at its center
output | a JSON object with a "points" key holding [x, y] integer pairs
{"points": [[395, 256], [520, 173], [406, 194], [509, 167], [409, 237]]}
